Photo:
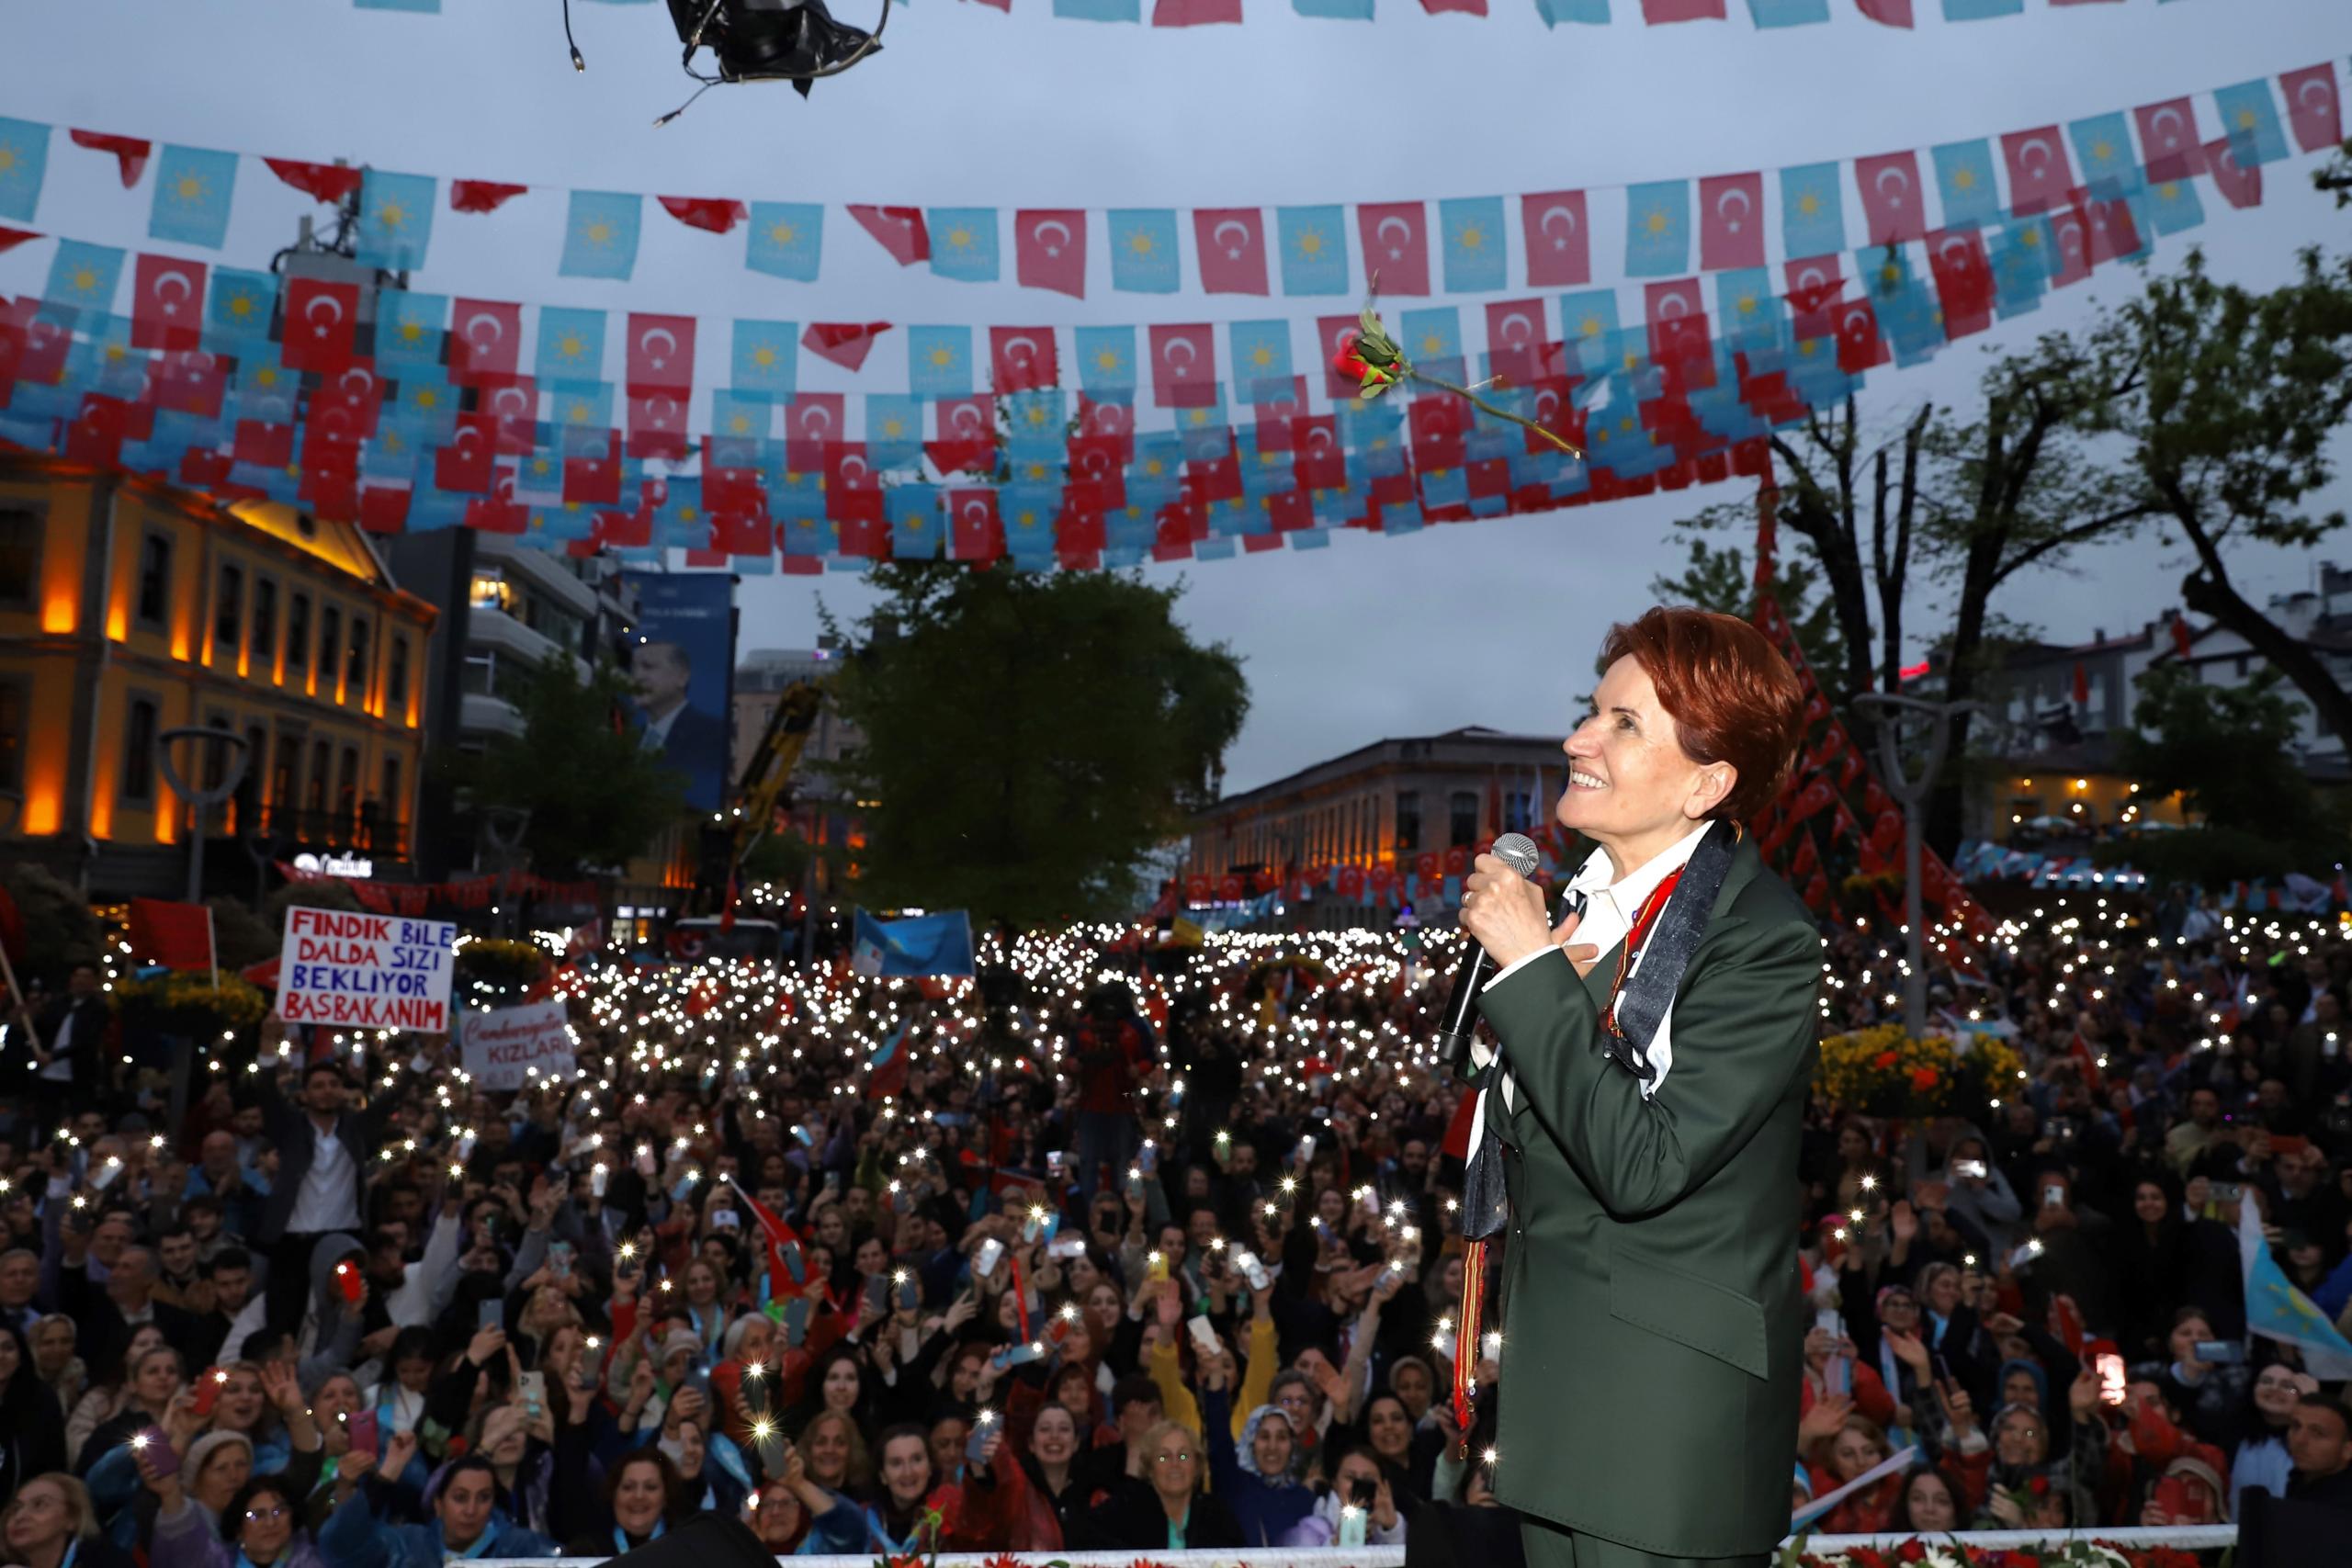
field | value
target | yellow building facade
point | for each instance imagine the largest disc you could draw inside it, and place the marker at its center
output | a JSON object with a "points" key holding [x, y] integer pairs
{"points": [[129, 608]]}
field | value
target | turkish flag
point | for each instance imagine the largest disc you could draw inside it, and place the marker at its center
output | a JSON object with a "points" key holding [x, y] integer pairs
{"points": [[1194, 13], [743, 532], [2240, 187], [1183, 366], [325, 182], [2313, 107], [1435, 427], [130, 151], [2040, 176], [464, 464], [1731, 221], [1677, 321], [657, 427], [481, 195], [167, 312], [975, 529], [96, 434], [900, 229], [383, 509], [178, 936], [487, 340], [2114, 236], [498, 513], [815, 416], [967, 434], [1655, 12], [1559, 249], [845, 344], [345, 405], [1892, 210], [660, 355], [270, 445], [1022, 358], [1887, 13], [2070, 237], [1317, 461], [1814, 285], [594, 479], [848, 468], [1963, 280], [2169, 139], [192, 382], [320, 318], [1098, 463], [511, 405], [1116, 419], [1396, 245], [1516, 345], [714, 214], [1232, 246], [1274, 404], [1860, 347], [626, 530], [1049, 250]]}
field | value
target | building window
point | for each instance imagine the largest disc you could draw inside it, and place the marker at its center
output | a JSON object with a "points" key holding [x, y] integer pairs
{"points": [[16, 711], [216, 756], [354, 668], [154, 579], [229, 610], [1462, 818], [346, 793], [396, 678], [20, 535], [393, 788], [139, 752], [481, 677], [297, 640], [2240, 666], [249, 788], [314, 788], [265, 644], [1408, 820], [330, 639], [1519, 807], [281, 777], [490, 590]]}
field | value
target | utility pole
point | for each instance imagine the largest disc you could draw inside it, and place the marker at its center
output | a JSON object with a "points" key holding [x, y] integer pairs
{"points": [[1893, 712]]}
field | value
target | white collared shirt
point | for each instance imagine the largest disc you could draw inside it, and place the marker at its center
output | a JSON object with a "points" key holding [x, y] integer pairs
{"points": [[1609, 912], [328, 1199]]}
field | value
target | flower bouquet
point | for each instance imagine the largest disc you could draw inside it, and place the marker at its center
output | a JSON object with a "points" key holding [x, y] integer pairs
{"points": [[189, 1004], [1881, 1071], [1371, 356]]}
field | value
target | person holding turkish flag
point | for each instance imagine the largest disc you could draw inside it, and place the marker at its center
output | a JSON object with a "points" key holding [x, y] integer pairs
{"points": [[1636, 1146]]}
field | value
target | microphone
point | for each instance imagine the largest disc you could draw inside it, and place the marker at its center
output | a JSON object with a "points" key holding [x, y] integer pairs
{"points": [[1460, 1019]]}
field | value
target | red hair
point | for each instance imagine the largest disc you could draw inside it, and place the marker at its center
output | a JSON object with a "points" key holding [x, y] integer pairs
{"points": [[1731, 697]]}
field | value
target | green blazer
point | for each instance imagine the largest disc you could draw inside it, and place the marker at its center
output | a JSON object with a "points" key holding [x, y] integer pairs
{"points": [[1653, 1334]]}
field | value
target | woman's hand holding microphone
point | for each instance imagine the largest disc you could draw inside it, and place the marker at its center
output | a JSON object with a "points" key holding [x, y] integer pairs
{"points": [[1504, 913]]}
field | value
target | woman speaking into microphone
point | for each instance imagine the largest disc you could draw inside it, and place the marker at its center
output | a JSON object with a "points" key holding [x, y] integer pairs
{"points": [[1635, 1150]]}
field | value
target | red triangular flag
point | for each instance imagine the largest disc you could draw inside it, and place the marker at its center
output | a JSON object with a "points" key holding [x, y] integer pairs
{"points": [[128, 151], [1891, 13], [901, 230], [11, 238], [178, 936], [2181, 635], [327, 182], [845, 344], [715, 214], [481, 195]]}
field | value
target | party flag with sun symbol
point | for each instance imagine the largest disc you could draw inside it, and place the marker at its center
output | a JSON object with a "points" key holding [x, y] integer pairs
{"points": [[1315, 249], [571, 344], [84, 276], [939, 361], [395, 220], [1657, 229], [599, 239], [766, 357], [786, 239], [1473, 227], [192, 191], [962, 242], [1143, 251], [24, 159]]}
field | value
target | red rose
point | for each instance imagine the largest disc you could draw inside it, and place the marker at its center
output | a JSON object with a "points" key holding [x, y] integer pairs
{"points": [[1924, 1078], [2039, 1485], [1912, 1551], [1347, 361], [1885, 1060]]}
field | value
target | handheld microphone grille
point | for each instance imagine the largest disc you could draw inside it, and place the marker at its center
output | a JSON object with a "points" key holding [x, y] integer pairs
{"points": [[1517, 850]]}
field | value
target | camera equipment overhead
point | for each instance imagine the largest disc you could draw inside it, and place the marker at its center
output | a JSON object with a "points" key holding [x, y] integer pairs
{"points": [[760, 41]]}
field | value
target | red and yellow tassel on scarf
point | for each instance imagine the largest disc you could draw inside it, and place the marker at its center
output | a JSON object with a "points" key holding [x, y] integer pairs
{"points": [[1467, 1335]]}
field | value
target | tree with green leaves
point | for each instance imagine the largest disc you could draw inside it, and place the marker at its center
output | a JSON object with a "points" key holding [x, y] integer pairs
{"points": [[1029, 741], [2230, 751], [595, 795], [1718, 577], [2231, 400]]}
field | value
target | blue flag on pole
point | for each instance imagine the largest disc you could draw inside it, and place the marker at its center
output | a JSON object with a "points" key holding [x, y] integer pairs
{"points": [[2276, 1310], [919, 944]]}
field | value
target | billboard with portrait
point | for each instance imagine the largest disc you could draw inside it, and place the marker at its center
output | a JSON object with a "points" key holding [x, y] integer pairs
{"points": [[683, 668]]}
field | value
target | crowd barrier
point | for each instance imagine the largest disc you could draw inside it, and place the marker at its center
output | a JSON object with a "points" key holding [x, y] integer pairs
{"points": [[2181, 1537]]}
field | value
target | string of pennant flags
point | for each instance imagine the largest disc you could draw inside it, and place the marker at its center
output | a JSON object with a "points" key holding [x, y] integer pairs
{"points": [[1764, 14], [1669, 228], [278, 394]]}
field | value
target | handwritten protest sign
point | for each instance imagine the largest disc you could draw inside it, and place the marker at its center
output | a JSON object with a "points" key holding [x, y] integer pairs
{"points": [[510, 1046], [352, 971]]}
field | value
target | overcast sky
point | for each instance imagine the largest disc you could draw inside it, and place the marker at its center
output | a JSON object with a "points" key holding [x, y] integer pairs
{"points": [[1488, 623]]}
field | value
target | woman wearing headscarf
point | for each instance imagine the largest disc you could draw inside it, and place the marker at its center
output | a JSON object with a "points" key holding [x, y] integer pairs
{"points": [[1257, 1476]]}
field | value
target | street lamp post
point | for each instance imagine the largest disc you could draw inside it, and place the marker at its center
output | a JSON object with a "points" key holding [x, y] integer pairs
{"points": [[202, 799], [1893, 711], [504, 826]]}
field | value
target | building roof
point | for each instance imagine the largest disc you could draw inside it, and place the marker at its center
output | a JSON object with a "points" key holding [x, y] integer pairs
{"points": [[1392, 749]]}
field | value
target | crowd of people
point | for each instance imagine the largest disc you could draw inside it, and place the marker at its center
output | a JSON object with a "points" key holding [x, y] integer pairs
{"points": [[1123, 1245]]}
